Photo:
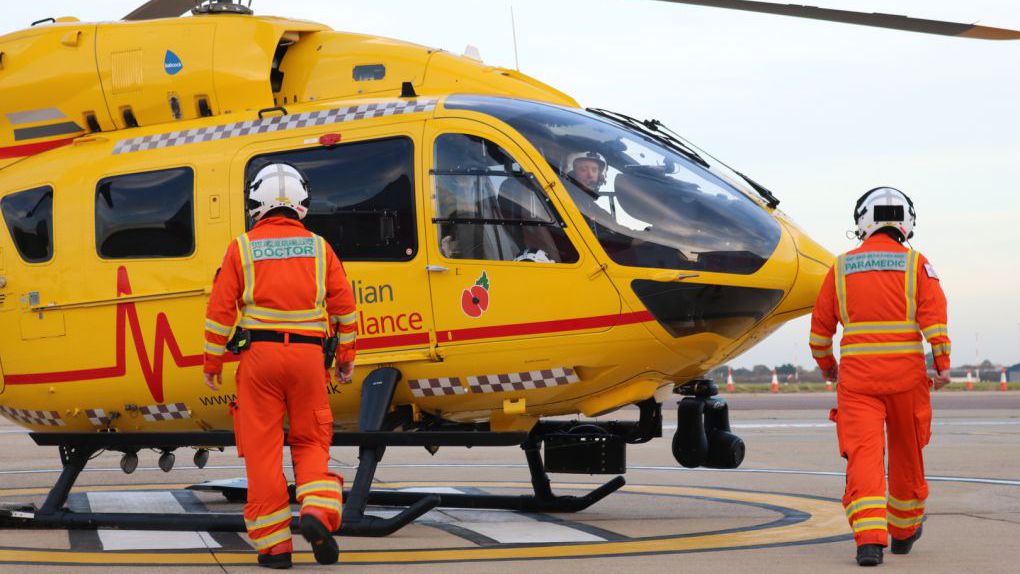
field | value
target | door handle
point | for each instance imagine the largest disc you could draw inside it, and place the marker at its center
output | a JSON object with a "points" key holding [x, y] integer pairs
{"points": [[670, 277], [436, 268]]}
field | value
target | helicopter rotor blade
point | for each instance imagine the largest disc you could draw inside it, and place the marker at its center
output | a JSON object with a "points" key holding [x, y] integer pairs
{"points": [[161, 9], [875, 19]]}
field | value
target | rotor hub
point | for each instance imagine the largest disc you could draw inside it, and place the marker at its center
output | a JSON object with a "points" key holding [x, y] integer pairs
{"points": [[222, 7]]}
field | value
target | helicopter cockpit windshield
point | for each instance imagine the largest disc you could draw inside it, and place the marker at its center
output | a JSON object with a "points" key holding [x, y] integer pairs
{"points": [[648, 204]]}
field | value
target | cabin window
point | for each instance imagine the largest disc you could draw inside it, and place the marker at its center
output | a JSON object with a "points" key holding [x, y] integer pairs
{"points": [[146, 215], [369, 73], [489, 208], [362, 196], [29, 218]]}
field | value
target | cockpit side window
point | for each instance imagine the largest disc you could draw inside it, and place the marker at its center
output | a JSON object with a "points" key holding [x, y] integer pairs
{"points": [[29, 218], [488, 208]]}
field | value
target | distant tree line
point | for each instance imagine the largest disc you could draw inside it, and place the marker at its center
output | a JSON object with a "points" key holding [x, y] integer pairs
{"points": [[789, 373]]}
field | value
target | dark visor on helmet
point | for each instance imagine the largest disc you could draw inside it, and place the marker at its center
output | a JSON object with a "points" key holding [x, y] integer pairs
{"points": [[889, 213]]}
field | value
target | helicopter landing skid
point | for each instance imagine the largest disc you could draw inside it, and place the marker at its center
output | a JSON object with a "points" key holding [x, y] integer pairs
{"points": [[543, 499], [78, 448]]}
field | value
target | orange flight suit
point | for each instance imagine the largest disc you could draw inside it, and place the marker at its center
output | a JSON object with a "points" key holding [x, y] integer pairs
{"points": [[885, 296], [282, 278]]}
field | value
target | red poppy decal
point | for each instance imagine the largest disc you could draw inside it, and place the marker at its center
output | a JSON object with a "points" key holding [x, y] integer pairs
{"points": [[475, 300]]}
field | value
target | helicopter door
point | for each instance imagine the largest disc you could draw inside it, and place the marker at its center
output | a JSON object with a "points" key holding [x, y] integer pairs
{"points": [[363, 202], [503, 264], [26, 266]]}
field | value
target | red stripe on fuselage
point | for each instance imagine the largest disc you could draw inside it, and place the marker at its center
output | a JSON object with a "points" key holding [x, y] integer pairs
{"points": [[127, 316], [32, 148], [542, 327]]}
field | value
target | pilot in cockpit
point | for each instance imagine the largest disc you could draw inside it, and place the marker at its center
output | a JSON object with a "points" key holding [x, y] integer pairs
{"points": [[587, 169]]}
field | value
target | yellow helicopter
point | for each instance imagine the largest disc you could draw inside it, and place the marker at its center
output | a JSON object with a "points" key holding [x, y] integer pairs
{"points": [[514, 256]]}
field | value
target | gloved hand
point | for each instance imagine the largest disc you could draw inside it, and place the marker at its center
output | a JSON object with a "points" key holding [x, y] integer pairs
{"points": [[831, 374], [941, 379]]}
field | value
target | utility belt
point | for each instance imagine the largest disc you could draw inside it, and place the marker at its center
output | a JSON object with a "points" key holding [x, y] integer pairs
{"points": [[243, 338]]}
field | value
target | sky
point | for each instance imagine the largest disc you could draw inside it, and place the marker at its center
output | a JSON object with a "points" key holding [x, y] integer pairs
{"points": [[818, 112]]}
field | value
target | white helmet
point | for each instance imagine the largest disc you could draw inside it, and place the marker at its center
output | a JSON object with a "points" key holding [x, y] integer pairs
{"points": [[884, 207], [589, 155], [277, 185]]}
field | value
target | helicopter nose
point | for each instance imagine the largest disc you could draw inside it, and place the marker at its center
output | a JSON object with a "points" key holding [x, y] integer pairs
{"points": [[814, 262]]}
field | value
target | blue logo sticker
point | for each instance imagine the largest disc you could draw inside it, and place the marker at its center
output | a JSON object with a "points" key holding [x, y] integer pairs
{"points": [[171, 63]]}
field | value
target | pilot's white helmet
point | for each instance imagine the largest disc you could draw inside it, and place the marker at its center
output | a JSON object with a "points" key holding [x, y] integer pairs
{"points": [[589, 155], [884, 207], [278, 185]]}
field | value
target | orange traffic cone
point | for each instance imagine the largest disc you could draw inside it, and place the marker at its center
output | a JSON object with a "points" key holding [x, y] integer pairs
{"points": [[1002, 380], [970, 382], [729, 382], [775, 382], [828, 385]]}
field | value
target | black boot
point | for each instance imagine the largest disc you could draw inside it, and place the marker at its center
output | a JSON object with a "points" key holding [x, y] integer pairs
{"points": [[324, 546], [275, 561], [904, 546], [869, 554]]}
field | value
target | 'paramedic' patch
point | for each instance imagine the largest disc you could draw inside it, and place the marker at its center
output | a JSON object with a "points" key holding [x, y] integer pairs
{"points": [[285, 248], [931, 271], [874, 261]]}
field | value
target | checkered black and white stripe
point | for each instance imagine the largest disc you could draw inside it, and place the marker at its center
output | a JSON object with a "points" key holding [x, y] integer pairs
{"points": [[522, 381], [168, 412], [274, 124], [98, 417], [436, 387], [25, 416]]}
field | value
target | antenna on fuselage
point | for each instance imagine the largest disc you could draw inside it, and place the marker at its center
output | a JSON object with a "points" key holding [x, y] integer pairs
{"points": [[513, 27]]}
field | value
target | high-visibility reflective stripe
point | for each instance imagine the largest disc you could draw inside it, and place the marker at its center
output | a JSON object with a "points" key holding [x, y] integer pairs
{"points": [[855, 506], [249, 323], [268, 519], [941, 349], [911, 286], [880, 328], [267, 314], [841, 289], [214, 327], [862, 507], [912, 504], [320, 502], [214, 349], [271, 540], [318, 485], [244, 246], [905, 522], [936, 330], [869, 524], [820, 340], [348, 319], [881, 349], [320, 272], [822, 353], [348, 338]]}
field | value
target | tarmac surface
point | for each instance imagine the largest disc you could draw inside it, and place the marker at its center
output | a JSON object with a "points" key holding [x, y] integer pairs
{"points": [[780, 512]]}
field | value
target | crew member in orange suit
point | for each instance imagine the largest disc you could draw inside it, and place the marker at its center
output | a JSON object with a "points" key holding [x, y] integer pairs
{"points": [[886, 296], [286, 287]]}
